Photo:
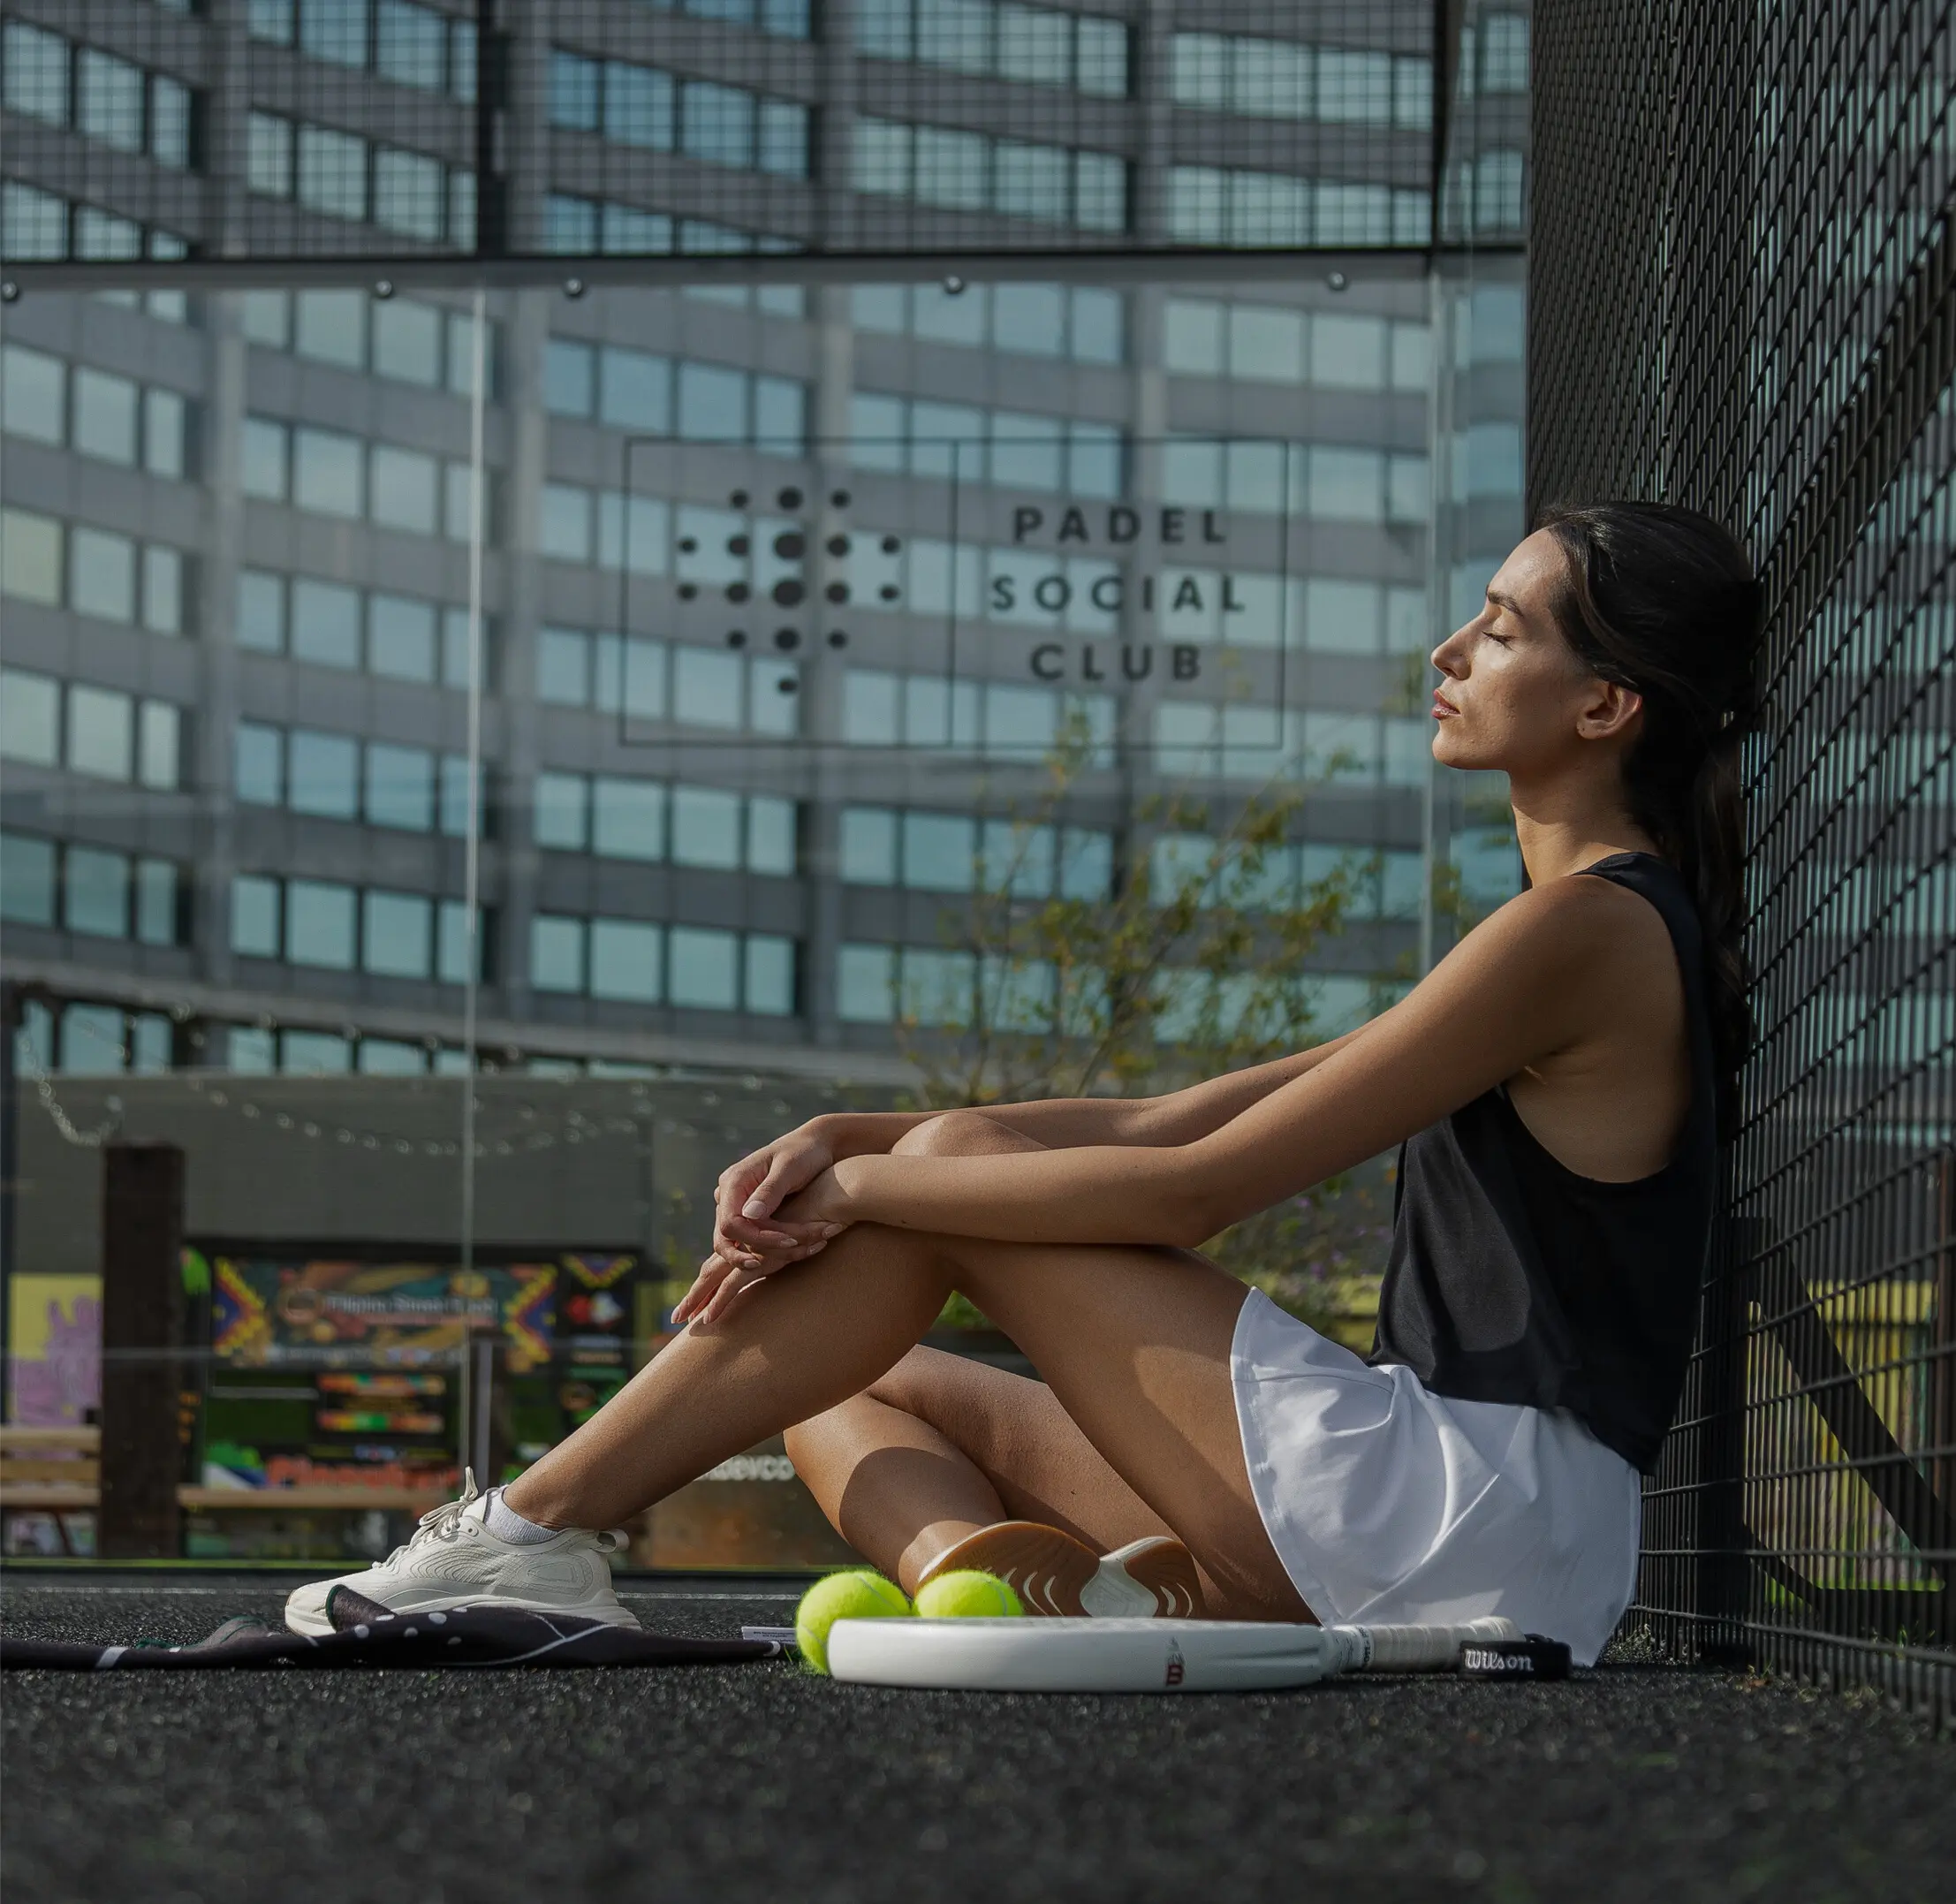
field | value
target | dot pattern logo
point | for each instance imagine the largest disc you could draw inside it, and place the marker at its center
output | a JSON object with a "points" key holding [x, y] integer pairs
{"points": [[799, 617]]}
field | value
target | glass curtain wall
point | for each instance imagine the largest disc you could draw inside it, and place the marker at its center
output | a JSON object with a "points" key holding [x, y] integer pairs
{"points": [[472, 762]]}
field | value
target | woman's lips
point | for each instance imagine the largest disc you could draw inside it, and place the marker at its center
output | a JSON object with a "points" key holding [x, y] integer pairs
{"points": [[1444, 709]]}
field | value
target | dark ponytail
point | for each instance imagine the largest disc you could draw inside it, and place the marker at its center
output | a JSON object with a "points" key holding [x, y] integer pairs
{"points": [[1662, 600]]}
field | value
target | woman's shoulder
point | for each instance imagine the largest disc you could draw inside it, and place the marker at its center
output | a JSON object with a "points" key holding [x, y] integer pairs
{"points": [[1599, 924]]}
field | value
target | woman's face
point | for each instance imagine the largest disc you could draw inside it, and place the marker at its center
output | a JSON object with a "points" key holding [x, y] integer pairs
{"points": [[1516, 699]]}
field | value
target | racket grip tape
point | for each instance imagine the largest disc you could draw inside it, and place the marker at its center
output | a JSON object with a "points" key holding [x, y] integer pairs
{"points": [[1413, 1649]]}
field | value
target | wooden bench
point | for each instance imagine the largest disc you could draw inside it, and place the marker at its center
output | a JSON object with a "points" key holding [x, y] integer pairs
{"points": [[56, 1471], [59, 1471], [52, 1467]]}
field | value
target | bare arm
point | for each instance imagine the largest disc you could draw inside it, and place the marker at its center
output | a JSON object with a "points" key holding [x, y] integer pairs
{"points": [[752, 1190], [1528, 983], [1062, 1123]]}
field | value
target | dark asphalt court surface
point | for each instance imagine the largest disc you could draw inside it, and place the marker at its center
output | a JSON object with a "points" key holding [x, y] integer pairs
{"points": [[767, 1784]]}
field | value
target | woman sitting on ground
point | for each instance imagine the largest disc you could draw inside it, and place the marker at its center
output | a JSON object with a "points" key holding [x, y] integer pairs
{"points": [[1558, 1083]]}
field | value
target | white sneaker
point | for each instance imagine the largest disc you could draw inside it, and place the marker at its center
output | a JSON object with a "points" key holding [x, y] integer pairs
{"points": [[454, 1560]]}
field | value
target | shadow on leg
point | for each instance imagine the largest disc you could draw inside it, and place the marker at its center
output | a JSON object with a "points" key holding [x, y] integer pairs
{"points": [[943, 1445], [1134, 1432]]}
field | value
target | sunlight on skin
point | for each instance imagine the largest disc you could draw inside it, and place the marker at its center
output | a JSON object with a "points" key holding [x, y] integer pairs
{"points": [[1568, 994]]}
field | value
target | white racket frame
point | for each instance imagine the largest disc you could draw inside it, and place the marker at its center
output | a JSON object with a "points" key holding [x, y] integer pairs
{"points": [[1137, 1656]]}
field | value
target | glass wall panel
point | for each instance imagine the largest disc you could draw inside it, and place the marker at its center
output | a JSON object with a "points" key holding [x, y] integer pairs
{"points": [[826, 656]]}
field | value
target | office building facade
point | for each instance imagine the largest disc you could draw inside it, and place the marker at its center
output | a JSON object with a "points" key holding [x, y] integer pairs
{"points": [[758, 592]]}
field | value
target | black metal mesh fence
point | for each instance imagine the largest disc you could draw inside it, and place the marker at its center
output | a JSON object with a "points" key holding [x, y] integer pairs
{"points": [[510, 130], [1744, 299]]}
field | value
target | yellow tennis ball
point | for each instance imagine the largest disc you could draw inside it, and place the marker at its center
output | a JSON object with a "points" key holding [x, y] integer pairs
{"points": [[859, 1594], [967, 1596]]}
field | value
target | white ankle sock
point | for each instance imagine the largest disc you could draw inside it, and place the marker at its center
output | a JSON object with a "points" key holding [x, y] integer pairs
{"points": [[505, 1523]]}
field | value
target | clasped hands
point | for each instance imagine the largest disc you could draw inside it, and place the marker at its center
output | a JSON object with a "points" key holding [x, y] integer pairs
{"points": [[778, 1205]]}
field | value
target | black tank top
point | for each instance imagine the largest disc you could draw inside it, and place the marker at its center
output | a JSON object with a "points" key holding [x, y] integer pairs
{"points": [[1513, 1279]]}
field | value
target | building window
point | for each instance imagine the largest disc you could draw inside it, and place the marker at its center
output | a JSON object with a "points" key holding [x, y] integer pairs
{"points": [[95, 892], [407, 342], [399, 787], [1011, 449], [635, 390], [866, 984], [101, 574], [108, 100], [706, 827], [882, 709], [1503, 53], [411, 46], [1034, 45], [636, 819], [264, 447], [406, 639], [654, 110], [32, 394], [327, 476], [397, 337], [323, 775], [968, 171], [1210, 205], [634, 962], [704, 969], [325, 624], [640, 106], [255, 916], [94, 412], [557, 953], [106, 408], [337, 776], [1259, 78], [97, 732], [397, 935], [626, 959], [32, 224], [332, 172], [404, 484], [770, 977], [269, 155], [952, 852], [258, 764], [89, 889], [31, 548], [30, 717], [709, 687], [320, 923], [37, 70], [628, 818], [101, 95]]}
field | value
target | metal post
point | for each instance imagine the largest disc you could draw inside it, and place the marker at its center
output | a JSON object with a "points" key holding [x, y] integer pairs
{"points": [[483, 1413], [1439, 429], [472, 858], [11, 1005], [142, 1312]]}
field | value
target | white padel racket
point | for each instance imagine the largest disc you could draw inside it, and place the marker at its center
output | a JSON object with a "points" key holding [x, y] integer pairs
{"points": [[1136, 1656]]}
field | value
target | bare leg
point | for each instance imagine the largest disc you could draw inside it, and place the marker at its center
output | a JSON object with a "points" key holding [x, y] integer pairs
{"points": [[895, 1487], [942, 1447], [1133, 1342]]}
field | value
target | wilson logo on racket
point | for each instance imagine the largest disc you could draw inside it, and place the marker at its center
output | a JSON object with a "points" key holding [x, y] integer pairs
{"points": [[1176, 1667]]}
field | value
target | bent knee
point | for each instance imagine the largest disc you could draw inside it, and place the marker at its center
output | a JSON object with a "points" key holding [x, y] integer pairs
{"points": [[914, 1381], [961, 1134]]}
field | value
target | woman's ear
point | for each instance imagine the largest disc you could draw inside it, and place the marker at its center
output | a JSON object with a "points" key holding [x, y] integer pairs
{"points": [[1610, 710]]}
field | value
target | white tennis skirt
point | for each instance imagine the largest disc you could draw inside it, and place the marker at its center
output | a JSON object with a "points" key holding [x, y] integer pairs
{"points": [[1388, 1504]]}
